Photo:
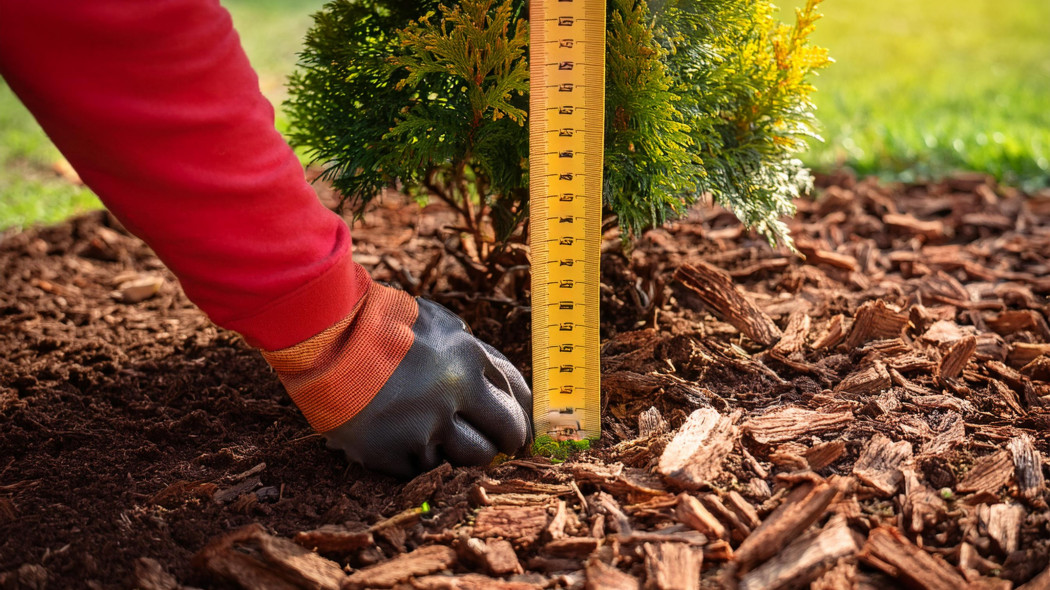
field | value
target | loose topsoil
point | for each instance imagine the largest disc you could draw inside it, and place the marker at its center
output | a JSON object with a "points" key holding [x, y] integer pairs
{"points": [[868, 414]]}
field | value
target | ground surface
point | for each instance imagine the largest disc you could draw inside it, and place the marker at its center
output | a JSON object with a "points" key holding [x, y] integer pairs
{"points": [[871, 416]]}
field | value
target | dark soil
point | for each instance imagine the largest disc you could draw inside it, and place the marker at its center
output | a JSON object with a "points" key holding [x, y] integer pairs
{"points": [[140, 430]]}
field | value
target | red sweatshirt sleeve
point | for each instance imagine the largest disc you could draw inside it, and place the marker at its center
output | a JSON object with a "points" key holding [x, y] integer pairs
{"points": [[156, 106]]}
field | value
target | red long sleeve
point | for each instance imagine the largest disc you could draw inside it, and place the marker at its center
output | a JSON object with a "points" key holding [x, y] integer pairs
{"points": [[156, 106]]}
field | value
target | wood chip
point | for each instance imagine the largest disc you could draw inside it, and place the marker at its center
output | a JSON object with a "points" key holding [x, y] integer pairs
{"points": [[694, 456], [668, 535], [692, 513], [605, 577], [950, 435], [717, 290], [886, 549], [423, 486], [988, 474], [875, 321], [841, 577], [499, 557], [879, 465], [929, 230], [991, 346], [953, 361], [617, 479], [1019, 320], [672, 566], [422, 561], [922, 507], [617, 520], [227, 495], [760, 266], [804, 559], [944, 402], [332, 538], [790, 423], [1040, 582], [517, 486], [743, 509], [943, 333], [1038, 369], [138, 290], [883, 404], [738, 529], [1022, 353], [801, 508], [251, 558], [577, 547], [1028, 468], [556, 527], [815, 255], [520, 524], [794, 338], [871, 379], [1002, 524], [651, 423], [1006, 397], [469, 582], [832, 334], [824, 454]]}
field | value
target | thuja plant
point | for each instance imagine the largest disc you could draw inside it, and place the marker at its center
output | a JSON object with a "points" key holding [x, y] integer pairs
{"points": [[703, 97]]}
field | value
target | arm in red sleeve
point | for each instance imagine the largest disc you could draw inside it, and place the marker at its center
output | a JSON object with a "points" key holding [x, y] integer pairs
{"points": [[156, 106]]}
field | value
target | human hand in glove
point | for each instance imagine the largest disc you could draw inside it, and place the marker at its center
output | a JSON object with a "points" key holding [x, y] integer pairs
{"points": [[401, 385]]}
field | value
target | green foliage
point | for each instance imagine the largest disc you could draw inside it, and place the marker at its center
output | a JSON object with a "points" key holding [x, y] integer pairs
{"points": [[648, 164], [702, 97], [559, 451], [745, 96]]}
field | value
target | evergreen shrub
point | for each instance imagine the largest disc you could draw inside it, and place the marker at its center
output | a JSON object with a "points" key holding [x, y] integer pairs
{"points": [[703, 97]]}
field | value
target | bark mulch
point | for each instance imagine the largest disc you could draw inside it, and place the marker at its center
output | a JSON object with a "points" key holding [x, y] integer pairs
{"points": [[870, 414]]}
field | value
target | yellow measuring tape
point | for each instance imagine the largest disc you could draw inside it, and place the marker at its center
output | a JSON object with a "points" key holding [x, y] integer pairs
{"points": [[566, 126]]}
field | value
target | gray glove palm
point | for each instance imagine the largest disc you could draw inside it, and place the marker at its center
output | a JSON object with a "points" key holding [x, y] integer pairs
{"points": [[452, 398]]}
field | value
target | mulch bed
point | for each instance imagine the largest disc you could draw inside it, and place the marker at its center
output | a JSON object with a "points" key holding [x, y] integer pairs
{"points": [[870, 415]]}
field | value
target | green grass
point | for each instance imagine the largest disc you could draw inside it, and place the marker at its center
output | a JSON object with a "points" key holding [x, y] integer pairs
{"points": [[30, 190], [923, 88]]}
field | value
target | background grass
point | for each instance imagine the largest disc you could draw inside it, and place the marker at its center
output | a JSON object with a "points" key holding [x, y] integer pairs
{"points": [[30, 189], [919, 89]]}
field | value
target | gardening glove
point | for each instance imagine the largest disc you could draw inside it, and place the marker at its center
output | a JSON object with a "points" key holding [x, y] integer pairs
{"points": [[401, 385]]}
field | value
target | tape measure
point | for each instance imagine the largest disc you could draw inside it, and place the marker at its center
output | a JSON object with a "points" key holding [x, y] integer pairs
{"points": [[566, 128]]}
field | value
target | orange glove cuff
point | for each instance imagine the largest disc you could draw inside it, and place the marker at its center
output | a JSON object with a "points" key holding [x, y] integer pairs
{"points": [[336, 373]]}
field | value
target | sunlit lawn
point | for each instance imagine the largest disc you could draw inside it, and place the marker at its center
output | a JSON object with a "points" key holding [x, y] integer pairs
{"points": [[924, 87]]}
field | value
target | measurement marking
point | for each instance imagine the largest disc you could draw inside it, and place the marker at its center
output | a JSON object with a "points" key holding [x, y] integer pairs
{"points": [[569, 283]]}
